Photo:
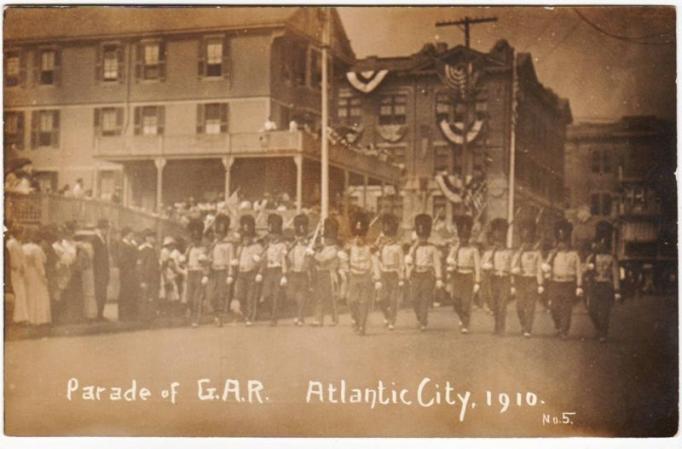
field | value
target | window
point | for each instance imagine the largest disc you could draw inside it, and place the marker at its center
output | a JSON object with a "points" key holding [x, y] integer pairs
{"points": [[149, 120], [393, 110], [443, 107], [596, 161], [108, 121], [212, 118], [110, 63], [441, 159], [45, 129], [601, 204], [14, 129], [47, 67], [601, 161], [151, 61], [213, 57], [315, 68], [349, 108], [15, 68], [299, 57]]}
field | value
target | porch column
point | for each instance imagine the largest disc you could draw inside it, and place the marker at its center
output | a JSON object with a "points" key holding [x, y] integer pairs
{"points": [[364, 191], [227, 163], [346, 193], [298, 160], [160, 163]]}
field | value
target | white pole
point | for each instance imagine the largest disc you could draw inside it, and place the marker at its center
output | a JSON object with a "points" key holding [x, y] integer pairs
{"points": [[324, 159], [512, 157]]}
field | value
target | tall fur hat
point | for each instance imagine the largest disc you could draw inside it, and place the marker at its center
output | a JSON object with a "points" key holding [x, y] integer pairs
{"points": [[221, 224], [527, 231], [301, 223], [422, 225], [275, 224], [247, 225], [359, 224], [562, 231], [389, 225], [498, 229], [330, 229], [195, 227], [603, 234], [464, 225]]}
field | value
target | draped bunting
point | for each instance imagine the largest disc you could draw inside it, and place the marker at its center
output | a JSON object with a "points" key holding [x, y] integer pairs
{"points": [[471, 192], [391, 133], [451, 191], [351, 133], [456, 79], [367, 80], [456, 135]]}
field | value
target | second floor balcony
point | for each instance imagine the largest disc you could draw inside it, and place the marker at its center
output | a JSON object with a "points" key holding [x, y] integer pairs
{"points": [[241, 145]]}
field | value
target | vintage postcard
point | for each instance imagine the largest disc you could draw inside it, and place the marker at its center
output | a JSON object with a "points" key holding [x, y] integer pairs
{"points": [[335, 221]]}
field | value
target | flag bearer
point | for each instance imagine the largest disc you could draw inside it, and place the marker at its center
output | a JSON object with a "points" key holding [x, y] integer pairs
{"points": [[603, 286], [221, 277], [325, 273], [497, 262], [298, 268], [362, 272], [565, 278], [391, 263], [464, 266], [526, 268], [248, 256], [424, 269], [274, 266]]}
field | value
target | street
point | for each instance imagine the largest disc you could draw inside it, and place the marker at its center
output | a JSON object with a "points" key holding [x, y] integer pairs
{"points": [[576, 387]]}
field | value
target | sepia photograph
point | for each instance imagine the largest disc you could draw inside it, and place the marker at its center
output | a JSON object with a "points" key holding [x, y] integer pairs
{"points": [[340, 221]]}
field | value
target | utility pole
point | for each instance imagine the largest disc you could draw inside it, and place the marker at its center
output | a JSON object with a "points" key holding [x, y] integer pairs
{"points": [[465, 25], [324, 157]]}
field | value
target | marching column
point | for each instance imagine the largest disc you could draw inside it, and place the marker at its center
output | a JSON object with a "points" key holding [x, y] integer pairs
{"points": [[526, 268], [497, 262], [464, 266], [392, 266]]}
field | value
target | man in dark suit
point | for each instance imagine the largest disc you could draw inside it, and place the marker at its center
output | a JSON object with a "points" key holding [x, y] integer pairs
{"points": [[101, 265]]}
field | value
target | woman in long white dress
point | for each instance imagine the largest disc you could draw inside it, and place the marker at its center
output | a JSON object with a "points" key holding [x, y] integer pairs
{"points": [[16, 260], [86, 253], [37, 293]]}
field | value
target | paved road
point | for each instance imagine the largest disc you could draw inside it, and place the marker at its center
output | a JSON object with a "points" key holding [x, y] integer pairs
{"points": [[625, 387]]}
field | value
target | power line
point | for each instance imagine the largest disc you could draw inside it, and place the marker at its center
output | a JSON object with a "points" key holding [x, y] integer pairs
{"points": [[630, 39]]}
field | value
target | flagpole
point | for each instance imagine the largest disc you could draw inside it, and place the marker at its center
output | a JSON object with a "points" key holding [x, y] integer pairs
{"points": [[324, 158], [512, 156]]}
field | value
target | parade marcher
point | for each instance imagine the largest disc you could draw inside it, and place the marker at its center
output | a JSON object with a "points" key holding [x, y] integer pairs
{"points": [[363, 273], [391, 263], [248, 257], [101, 265], [127, 275], [497, 262], [38, 297], [169, 295], [149, 275], [197, 270], [564, 273], [17, 273], [325, 273], [273, 268], [423, 265], [602, 280], [298, 262], [526, 269], [464, 267], [220, 278]]}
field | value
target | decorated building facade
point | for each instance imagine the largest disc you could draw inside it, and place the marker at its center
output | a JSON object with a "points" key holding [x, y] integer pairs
{"points": [[448, 116]]}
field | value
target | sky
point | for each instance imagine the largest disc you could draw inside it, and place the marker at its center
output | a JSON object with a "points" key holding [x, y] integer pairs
{"points": [[603, 77]]}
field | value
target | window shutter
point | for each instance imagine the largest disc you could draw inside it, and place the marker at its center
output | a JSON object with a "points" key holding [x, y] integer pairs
{"points": [[22, 67], [138, 61], [99, 66], [227, 64], [120, 53], [201, 68], [55, 129], [200, 119], [98, 131], [36, 67], [57, 67], [162, 61], [35, 123], [119, 120], [160, 119], [223, 117], [20, 130], [138, 121]]}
